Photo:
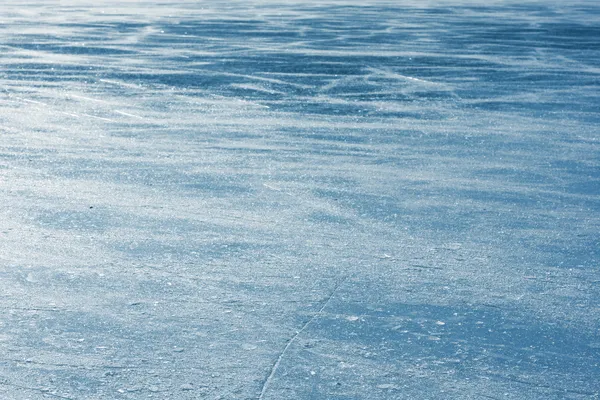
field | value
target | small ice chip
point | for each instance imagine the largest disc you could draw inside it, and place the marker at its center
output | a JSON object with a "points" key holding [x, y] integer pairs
{"points": [[187, 386]]}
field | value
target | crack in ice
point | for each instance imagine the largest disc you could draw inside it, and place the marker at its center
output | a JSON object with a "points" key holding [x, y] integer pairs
{"points": [[289, 343]]}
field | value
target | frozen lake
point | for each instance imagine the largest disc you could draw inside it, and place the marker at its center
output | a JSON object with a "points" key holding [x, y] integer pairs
{"points": [[300, 200]]}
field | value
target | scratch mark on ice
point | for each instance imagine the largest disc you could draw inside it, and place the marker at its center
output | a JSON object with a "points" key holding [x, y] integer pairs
{"points": [[100, 118], [271, 187], [69, 114], [293, 338], [4, 382], [30, 101], [124, 84], [87, 98], [127, 114]]}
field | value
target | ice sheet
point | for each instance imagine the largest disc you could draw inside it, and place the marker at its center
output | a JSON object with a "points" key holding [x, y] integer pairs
{"points": [[299, 200]]}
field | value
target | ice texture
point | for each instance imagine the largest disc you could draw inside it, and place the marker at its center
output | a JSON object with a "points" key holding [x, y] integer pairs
{"points": [[299, 200]]}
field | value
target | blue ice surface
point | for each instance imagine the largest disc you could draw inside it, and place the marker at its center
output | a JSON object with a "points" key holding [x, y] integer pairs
{"points": [[300, 200]]}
